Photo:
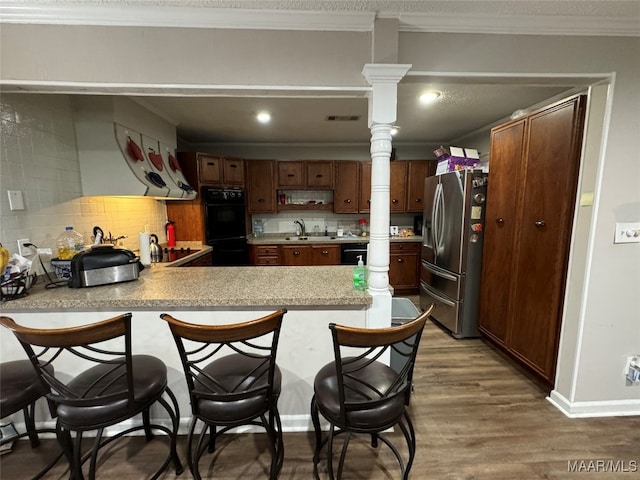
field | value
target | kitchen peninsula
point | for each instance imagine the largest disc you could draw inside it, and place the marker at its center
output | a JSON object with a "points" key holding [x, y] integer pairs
{"points": [[314, 297]]}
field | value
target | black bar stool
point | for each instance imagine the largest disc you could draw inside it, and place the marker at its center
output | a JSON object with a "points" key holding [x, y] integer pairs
{"points": [[233, 381], [115, 386], [357, 393], [20, 389]]}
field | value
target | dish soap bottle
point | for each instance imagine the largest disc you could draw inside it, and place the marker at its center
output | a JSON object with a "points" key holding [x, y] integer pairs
{"points": [[360, 275]]}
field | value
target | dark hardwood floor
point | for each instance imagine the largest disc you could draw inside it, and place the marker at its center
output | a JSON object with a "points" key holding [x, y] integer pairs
{"points": [[477, 417]]}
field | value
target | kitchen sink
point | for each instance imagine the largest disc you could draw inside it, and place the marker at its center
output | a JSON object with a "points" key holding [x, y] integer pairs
{"points": [[311, 238]]}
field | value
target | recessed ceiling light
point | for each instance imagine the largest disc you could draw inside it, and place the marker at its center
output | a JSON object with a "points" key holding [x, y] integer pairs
{"points": [[394, 130], [263, 117], [429, 97]]}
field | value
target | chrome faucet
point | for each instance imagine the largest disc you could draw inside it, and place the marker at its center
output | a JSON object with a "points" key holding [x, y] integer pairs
{"points": [[303, 229], [113, 240]]}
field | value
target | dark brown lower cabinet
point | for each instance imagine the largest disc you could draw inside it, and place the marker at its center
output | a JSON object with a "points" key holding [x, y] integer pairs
{"points": [[202, 261], [304, 255], [264, 254], [533, 173], [404, 268]]}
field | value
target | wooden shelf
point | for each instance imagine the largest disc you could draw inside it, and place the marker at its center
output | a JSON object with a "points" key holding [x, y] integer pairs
{"points": [[306, 206]]}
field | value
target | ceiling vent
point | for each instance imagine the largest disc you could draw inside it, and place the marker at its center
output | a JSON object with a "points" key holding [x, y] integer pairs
{"points": [[343, 118]]}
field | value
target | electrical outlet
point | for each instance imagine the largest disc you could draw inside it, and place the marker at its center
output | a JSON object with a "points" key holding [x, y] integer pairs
{"points": [[627, 233], [632, 371], [22, 249]]}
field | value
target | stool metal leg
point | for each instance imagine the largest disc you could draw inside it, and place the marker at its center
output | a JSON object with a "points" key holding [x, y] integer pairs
{"points": [[30, 424]]}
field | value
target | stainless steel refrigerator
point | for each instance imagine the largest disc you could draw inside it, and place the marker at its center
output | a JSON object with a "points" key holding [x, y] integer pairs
{"points": [[453, 231]]}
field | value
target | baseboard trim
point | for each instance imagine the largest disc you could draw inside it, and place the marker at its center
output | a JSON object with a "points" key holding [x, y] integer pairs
{"points": [[606, 408], [290, 423]]}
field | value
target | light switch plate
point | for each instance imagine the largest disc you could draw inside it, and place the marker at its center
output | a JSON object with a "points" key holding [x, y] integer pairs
{"points": [[627, 233], [15, 200]]}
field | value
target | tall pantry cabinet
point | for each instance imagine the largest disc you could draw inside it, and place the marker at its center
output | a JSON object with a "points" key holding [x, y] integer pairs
{"points": [[533, 171]]}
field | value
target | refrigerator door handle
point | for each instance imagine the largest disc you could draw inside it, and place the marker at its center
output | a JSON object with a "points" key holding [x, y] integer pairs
{"points": [[436, 295], [439, 273], [435, 217], [441, 218]]}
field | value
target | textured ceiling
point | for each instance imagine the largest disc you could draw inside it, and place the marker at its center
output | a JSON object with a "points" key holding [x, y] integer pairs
{"points": [[462, 108]]}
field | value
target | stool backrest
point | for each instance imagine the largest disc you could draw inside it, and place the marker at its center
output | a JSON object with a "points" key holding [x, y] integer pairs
{"points": [[356, 349], [199, 345], [105, 345]]}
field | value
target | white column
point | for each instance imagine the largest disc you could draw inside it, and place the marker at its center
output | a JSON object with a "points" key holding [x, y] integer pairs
{"points": [[383, 79]]}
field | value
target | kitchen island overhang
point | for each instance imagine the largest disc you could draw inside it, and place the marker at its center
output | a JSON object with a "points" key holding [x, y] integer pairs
{"points": [[314, 297]]}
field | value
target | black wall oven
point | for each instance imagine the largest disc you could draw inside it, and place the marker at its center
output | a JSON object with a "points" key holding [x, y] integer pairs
{"points": [[225, 224]]}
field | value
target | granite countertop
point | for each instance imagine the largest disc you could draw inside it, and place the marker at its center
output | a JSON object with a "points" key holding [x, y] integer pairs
{"points": [[166, 287], [291, 239]]}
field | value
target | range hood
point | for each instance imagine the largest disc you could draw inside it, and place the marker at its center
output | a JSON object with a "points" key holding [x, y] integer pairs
{"points": [[126, 150]]}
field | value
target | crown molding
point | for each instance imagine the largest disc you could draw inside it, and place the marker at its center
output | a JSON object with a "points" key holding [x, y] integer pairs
{"points": [[184, 17], [522, 25], [206, 17]]}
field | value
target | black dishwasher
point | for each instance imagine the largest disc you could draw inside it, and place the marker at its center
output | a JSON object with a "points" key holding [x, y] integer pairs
{"points": [[349, 253]]}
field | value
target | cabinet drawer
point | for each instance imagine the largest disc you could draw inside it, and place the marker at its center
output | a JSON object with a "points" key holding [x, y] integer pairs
{"points": [[210, 169], [267, 260], [447, 283], [404, 247], [265, 255], [267, 250]]}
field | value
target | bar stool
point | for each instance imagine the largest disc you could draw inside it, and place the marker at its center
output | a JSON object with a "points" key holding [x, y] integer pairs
{"points": [[20, 389], [357, 393], [233, 380], [115, 386]]}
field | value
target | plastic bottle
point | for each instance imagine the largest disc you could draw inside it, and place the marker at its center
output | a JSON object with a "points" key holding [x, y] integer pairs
{"points": [[360, 275], [70, 242], [258, 228]]}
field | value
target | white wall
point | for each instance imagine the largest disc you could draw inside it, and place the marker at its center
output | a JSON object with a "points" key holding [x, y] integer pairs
{"points": [[39, 158], [608, 323], [183, 57]]}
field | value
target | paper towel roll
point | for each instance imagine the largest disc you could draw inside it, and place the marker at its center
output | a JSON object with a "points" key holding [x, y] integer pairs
{"points": [[145, 250]]}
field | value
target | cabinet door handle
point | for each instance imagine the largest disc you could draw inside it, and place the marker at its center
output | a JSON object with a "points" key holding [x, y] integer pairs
{"points": [[211, 164], [325, 252], [500, 221], [394, 201], [348, 200], [290, 175], [233, 165], [319, 175], [261, 200], [296, 252], [400, 260], [418, 200], [540, 223]]}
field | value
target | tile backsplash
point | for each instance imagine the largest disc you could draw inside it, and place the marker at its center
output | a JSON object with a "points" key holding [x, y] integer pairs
{"points": [[38, 157]]}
